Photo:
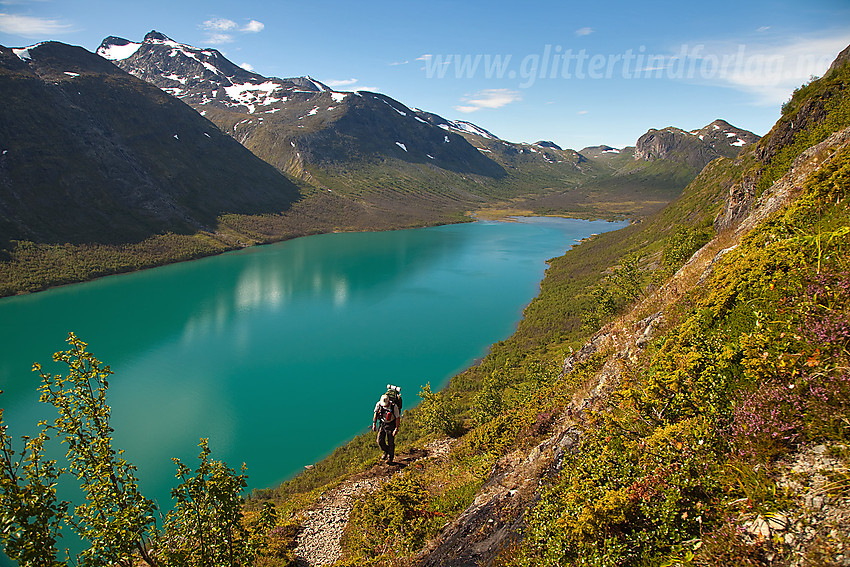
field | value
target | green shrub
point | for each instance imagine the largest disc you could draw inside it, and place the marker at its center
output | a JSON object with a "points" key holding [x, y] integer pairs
{"points": [[393, 522], [438, 412], [682, 244]]}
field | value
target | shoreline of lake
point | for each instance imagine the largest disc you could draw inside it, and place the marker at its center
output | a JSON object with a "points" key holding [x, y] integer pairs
{"points": [[503, 215]]}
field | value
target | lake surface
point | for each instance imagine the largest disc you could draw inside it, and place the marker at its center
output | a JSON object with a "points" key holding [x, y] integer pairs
{"points": [[278, 353]]}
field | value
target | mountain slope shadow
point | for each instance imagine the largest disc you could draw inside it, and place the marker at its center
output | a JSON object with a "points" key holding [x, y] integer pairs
{"points": [[92, 154]]}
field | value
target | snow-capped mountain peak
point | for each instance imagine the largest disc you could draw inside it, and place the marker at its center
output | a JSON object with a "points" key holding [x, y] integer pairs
{"points": [[313, 122], [695, 147], [204, 76]]}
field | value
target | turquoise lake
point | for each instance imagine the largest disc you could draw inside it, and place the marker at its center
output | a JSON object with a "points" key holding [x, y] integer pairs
{"points": [[278, 353]]}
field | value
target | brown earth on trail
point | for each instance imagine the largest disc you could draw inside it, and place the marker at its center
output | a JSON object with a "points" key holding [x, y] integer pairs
{"points": [[322, 525]]}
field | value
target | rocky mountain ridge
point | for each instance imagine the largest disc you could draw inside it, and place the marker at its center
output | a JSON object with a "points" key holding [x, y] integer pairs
{"points": [[695, 148], [309, 122]]}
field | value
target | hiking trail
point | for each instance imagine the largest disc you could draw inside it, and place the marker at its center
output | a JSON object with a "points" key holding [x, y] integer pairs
{"points": [[324, 522]]}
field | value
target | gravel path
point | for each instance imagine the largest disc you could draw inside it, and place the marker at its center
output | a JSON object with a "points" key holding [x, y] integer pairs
{"points": [[318, 543], [323, 524]]}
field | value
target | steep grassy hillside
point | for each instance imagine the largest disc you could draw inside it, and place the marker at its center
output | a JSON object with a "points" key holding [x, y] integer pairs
{"points": [[703, 423]]}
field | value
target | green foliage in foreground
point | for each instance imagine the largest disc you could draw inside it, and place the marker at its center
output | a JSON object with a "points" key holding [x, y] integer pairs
{"points": [[115, 517], [438, 412], [207, 527], [756, 366]]}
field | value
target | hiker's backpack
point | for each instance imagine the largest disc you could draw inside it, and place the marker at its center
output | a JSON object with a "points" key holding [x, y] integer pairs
{"points": [[394, 396]]}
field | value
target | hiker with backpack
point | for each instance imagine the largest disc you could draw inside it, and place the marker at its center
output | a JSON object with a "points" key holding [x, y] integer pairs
{"points": [[386, 420]]}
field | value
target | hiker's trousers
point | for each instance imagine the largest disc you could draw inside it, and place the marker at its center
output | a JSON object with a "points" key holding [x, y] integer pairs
{"points": [[386, 439]]}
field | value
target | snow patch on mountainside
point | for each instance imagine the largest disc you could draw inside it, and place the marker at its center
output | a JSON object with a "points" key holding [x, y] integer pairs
{"points": [[118, 52], [471, 128], [178, 78], [250, 94], [317, 84], [24, 52]]}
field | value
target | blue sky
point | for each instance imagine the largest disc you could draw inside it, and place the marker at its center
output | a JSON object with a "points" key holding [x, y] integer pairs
{"points": [[577, 73]]}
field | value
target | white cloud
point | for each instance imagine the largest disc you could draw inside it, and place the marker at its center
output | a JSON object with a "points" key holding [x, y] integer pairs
{"points": [[28, 26], [584, 31], [769, 72], [219, 25], [396, 63], [247, 66], [253, 27], [489, 98], [583, 111], [424, 57], [223, 30]]}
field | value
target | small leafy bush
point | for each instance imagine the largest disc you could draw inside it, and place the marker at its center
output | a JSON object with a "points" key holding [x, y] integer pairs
{"points": [[390, 523], [682, 244], [438, 412]]}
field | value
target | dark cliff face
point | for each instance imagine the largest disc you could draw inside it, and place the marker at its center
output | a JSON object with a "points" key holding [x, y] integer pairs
{"points": [[91, 154], [695, 148]]}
